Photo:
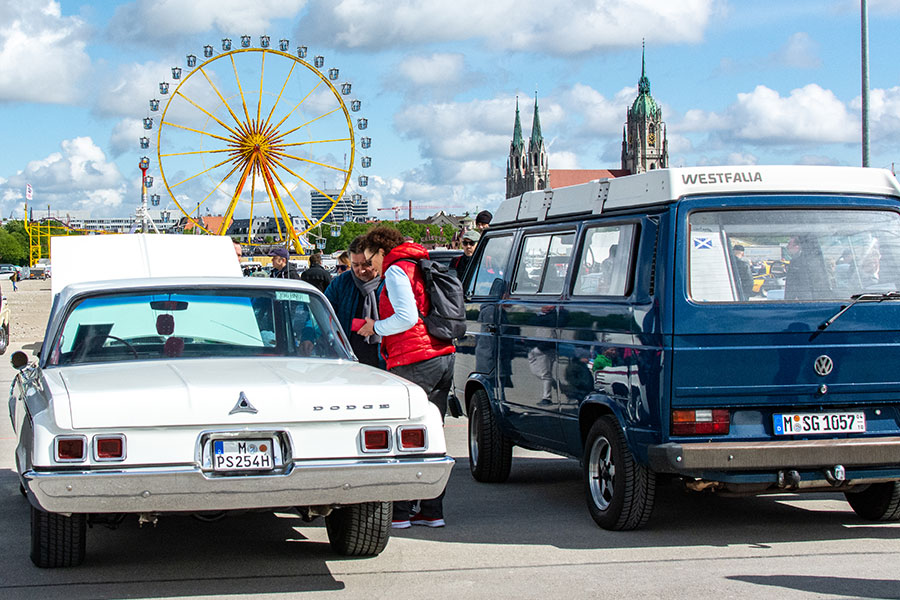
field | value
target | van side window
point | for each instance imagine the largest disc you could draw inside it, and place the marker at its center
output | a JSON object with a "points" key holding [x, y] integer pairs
{"points": [[544, 263], [603, 268], [487, 278]]}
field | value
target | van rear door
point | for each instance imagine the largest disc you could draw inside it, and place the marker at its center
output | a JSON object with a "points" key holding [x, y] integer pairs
{"points": [[758, 279]]}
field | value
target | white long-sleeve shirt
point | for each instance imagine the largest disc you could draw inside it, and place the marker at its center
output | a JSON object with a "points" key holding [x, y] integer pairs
{"points": [[400, 293]]}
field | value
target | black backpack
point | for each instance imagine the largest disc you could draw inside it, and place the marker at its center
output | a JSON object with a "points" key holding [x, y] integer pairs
{"points": [[446, 319]]}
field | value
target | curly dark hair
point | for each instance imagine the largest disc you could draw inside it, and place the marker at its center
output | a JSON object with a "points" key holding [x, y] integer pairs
{"points": [[382, 238]]}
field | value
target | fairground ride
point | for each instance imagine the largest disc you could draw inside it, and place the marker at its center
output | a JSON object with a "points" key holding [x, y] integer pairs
{"points": [[249, 132]]}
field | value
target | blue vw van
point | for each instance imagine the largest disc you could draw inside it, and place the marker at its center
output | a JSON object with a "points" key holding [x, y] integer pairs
{"points": [[736, 328]]}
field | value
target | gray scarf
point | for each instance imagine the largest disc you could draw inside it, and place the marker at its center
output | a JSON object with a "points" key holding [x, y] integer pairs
{"points": [[370, 302]]}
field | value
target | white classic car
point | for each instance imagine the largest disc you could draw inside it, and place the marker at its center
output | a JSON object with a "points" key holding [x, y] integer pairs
{"points": [[173, 393]]}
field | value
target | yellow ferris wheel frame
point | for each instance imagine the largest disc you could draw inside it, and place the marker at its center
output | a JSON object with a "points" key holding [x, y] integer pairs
{"points": [[255, 148]]}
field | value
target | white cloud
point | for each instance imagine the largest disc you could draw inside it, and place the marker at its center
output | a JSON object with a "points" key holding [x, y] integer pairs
{"points": [[125, 138], [434, 70], [800, 52], [166, 19], [42, 53], [77, 177], [809, 114], [563, 160], [555, 26]]}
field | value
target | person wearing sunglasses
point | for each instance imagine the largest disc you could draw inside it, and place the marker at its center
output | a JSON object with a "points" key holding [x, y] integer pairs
{"points": [[354, 296], [468, 242]]}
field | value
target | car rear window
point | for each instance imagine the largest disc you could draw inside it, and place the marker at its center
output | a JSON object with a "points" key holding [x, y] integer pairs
{"points": [[792, 255], [167, 324]]}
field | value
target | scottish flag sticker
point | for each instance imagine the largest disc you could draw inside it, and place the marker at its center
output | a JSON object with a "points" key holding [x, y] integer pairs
{"points": [[703, 243]]}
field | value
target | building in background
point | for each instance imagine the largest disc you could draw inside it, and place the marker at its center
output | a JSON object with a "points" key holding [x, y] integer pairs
{"points": [[350, 208], [644, 147]]}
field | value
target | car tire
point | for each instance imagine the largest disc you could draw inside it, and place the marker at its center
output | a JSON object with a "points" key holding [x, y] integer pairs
{"points": [[57, 540], [878, 502], [4, 338], [619, 491], [490, 452], [360, 529]]}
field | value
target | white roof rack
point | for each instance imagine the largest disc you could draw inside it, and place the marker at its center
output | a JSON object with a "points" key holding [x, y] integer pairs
{"points": [[667, 185]]}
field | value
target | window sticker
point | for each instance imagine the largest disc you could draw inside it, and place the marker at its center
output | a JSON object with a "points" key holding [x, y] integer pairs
{"points": [[291, 296]]}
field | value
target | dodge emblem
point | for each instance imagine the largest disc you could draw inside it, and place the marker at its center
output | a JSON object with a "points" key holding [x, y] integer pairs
{"points": [[243, 405], [823, 365]]}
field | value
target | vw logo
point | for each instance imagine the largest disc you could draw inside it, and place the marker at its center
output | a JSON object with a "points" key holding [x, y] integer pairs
{"points": [[823, 365]]}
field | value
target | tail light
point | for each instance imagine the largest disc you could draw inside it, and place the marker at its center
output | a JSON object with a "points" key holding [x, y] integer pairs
{"points": [[109, 447], [375, 439], [70, 448], [412, 438], [707, 421]]}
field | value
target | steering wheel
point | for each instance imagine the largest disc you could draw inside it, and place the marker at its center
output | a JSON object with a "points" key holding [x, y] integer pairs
{"points": [[130, 347]]}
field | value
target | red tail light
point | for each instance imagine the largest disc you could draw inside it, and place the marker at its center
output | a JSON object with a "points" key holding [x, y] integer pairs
{"points": [[110, 447], [412, 438], [70, 449], [714, 421], [376, 440]]}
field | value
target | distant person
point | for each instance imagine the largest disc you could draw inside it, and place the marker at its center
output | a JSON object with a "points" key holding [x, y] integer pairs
{"points": [[281, 265], [805, 278], [410, 351], [316, 275], [742, 271], [354, 295], [14, 278], [483, 220], [461, 262], [343, 263]]}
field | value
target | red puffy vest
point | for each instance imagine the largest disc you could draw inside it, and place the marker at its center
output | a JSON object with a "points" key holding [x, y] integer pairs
{"points": [[415, 344]]}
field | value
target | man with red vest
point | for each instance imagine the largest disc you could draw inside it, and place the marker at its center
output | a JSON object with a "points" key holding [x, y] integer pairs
{"points": [[409, 350]]}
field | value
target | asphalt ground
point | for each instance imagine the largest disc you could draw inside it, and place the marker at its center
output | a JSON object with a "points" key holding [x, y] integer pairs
{"points": [[530, 537]]}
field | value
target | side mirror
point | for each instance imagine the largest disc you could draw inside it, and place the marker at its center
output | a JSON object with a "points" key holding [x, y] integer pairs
{"points": [[18, 359]]}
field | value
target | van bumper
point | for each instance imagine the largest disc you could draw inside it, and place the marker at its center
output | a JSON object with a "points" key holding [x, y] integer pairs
{"points": [[695, 457]]}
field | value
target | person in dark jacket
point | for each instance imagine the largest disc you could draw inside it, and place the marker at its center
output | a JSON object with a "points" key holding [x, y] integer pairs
{"points": [[316, 274], [410, 351], [281, 265], [483, 220], [354, 295], [469, 241]]}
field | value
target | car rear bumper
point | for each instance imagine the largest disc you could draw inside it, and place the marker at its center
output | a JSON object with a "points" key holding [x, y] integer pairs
{"points": [[187, 488], [694, 458]]}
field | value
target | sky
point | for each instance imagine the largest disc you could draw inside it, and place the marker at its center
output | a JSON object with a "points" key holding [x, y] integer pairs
{"points": [[740, 82]]}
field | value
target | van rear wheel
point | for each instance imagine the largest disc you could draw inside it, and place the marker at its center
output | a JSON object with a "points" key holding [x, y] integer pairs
{"points": [[490, 452], [619, 491], [878, 502]]}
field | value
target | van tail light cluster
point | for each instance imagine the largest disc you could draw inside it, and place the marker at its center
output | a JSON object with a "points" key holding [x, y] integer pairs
{"points": [[380, 439], [701, 421], [74, 448]]}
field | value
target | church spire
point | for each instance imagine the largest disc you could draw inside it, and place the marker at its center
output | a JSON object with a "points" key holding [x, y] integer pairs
{"points": [[536, 138], [644, 83], [517, 142]]}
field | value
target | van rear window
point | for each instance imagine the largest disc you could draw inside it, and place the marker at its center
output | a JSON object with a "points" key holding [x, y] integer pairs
{"points": [[792, 255]]}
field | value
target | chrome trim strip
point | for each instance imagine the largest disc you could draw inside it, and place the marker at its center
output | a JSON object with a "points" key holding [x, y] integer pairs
{"points": [[174, 489]]}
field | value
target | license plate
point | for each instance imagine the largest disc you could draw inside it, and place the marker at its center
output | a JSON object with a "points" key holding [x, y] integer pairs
{"points": [[844, 422], [242, 455]]}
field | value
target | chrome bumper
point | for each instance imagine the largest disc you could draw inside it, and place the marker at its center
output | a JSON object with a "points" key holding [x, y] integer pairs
{"points": [[186, 488], [783, 454]]}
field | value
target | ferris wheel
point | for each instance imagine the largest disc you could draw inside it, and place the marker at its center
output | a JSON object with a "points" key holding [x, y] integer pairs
{"points": [[253, 133]]}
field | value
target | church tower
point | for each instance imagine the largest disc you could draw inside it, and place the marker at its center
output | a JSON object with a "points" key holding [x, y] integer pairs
{"points": [[527, 169], [516, 165], [644, 144], [537, 175]]}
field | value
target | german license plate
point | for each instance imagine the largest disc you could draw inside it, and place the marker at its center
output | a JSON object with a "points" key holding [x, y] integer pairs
{"points": [[242, 455], [812, 423]]}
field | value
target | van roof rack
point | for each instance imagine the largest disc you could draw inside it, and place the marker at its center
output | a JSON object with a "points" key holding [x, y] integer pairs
{"points": [[662, 186]]}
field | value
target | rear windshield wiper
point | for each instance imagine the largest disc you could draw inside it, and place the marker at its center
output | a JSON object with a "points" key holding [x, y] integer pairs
{"points": [[868, 297]]}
